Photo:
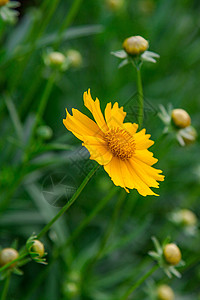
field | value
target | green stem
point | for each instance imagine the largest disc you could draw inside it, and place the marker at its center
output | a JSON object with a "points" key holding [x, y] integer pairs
{"points": [[138, 283], [86, 221], [69, 203], [40, 111], [27, 99], [67, 22], [38, 280], [140, 98], [5, 288], [108, 231], [41, 108], [44, 99]]}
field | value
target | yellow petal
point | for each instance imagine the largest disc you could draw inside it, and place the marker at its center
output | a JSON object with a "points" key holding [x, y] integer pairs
{"points": [[144, 175], [150, 171], [130, 127], [94, 107], [123, 174], [145, 156], [139, 184], [80, 125], [98, 150], [142, 140], [114, 115], [114, 170]]}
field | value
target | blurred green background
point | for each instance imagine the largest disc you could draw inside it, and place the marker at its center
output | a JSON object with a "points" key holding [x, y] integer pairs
{"points": [[34, 186]]}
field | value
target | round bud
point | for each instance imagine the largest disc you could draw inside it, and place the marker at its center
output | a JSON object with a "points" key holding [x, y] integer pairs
{"points": [[188, 218], [135, 45], [164, 292], [45, 132], [180, 118], [190, 135], [3, 2], [56, 58], [38, 248], [7, 255], [115, 5], [172, 254], [146, 7], [71, 289], [74, 57]]}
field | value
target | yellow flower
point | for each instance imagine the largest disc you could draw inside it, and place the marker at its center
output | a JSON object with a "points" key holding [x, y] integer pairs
{"points": [[116, 145]]}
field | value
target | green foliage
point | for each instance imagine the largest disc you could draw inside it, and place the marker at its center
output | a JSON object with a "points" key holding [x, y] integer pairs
{"points": [[100, 246]]}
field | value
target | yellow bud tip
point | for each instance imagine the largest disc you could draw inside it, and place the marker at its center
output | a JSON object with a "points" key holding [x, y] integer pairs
{"points": [[180, 118], [164, 292], [38, 248], [135, 45], [56, 58], [7, 255], [172, 254], [3, 2]]}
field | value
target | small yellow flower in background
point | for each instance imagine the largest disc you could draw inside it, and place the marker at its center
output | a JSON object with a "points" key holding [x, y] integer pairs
{"points": [[178, 122], [186, 219], [135, 45], [3, 2], [116, 145], [164, 292]]}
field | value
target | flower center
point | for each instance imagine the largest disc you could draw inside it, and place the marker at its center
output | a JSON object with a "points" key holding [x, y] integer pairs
{"points": [[120, 143]]}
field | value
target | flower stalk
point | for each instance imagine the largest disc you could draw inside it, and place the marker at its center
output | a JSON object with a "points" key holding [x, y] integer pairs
{"points": [[139, 282], [40, 112], [140, 97], [5, 288], [69, 203]]}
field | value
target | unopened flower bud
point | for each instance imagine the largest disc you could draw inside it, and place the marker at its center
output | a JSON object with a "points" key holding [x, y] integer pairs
{"points": [[172, 254], [45, 132], [74, 57], [188, 218], [71, 289], [7, 255], [180, 118], [3, 2], [164, 292], [38, 248], [56, 58], [115, 5], [146, 7], [189, 135], [135, 45]]}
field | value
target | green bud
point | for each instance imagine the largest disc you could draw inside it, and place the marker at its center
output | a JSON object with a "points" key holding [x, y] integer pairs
{"points": [[45, 132]]}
